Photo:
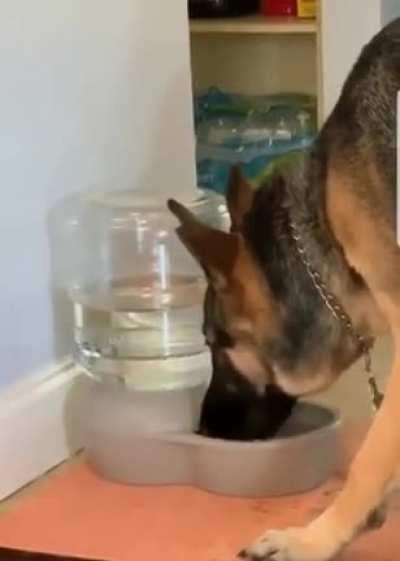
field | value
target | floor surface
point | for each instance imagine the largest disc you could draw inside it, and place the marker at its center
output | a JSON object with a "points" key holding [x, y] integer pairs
{"points": [[75, 512]]}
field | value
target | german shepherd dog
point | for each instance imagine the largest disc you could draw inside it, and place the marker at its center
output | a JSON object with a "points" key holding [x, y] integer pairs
{"points": [[267, 326]]}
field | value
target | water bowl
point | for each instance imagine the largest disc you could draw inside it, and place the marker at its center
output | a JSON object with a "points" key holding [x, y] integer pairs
{"points": [[136, 438]]}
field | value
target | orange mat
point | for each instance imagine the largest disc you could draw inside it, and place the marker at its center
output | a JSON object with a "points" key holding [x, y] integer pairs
{"points": [[76, 512]]}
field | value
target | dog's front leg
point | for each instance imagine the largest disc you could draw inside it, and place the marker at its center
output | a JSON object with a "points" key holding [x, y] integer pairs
{"points": [[372, 476]]}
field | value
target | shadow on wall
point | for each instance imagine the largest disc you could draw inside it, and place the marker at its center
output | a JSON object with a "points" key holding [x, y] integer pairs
{"points": [[75, 407], [60, 222], [350, 393], [170, 170]]}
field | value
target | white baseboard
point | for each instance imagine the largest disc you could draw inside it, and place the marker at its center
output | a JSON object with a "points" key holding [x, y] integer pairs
{"points": [[36, 426]]}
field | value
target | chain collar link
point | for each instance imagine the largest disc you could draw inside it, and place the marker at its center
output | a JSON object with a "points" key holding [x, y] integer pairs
{"points": [[337, 311]]}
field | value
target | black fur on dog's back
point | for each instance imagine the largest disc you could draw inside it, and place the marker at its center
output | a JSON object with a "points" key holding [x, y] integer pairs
{"points": [[362, 127]]}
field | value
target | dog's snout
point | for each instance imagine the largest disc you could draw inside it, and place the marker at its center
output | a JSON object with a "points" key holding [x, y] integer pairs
{"points": [[234, 407]]}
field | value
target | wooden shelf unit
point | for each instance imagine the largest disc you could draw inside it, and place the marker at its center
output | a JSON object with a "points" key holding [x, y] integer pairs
{"points": [[258, 25]]}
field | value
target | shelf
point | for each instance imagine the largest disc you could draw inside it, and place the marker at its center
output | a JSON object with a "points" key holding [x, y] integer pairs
{"points": [[253, 25]]}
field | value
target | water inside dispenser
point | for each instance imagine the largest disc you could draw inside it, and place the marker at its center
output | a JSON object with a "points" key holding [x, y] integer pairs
{"points": [[138, 318], [137, 295]]}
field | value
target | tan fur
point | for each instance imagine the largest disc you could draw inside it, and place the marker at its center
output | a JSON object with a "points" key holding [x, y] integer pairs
{"points": [[240, 196], [371, 249], [251, 299], [355, 231], [302, 383], [246, 361]]}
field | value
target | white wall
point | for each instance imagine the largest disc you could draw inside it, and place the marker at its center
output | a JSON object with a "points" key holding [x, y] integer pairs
{"points": [[346, 26], [390, 10], [92, 91]]}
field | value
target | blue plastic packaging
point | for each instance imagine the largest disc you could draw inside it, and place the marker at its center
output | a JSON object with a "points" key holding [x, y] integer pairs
{"points": [[253, 131]]}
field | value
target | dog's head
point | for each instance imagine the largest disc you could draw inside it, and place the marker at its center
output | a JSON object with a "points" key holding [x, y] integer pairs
{"points": [[265, 353]]}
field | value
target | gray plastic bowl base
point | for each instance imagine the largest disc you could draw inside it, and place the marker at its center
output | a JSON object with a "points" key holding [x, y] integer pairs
{"points": [[126, 447]]}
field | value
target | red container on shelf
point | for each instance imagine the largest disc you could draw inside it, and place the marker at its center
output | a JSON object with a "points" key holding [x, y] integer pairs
{"points": [[279, 7]]}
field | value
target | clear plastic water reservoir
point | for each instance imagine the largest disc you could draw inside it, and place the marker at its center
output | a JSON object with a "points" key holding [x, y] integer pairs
{"points": [[136, 293]]}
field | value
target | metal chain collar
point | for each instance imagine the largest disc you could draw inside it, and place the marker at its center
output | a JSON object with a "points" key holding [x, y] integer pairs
{"points": [[337, 311]]}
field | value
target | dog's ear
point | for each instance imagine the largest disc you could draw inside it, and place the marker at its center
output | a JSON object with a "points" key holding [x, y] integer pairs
{"points": [[239, 197], [216, 251]]}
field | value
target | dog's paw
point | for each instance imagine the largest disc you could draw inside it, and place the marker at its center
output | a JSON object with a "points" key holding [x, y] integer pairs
{"points": [[294, 544]]}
